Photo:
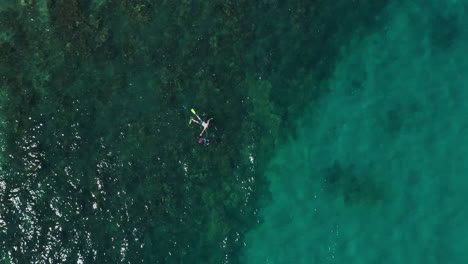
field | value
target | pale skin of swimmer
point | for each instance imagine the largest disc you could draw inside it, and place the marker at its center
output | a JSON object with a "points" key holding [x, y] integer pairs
{"points": [[202, 123]]}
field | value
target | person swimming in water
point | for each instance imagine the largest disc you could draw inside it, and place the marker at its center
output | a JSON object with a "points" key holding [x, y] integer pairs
{"points": [[204, 124], [205, 141]]}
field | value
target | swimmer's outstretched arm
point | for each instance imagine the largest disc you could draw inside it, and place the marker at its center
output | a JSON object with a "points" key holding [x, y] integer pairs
{"points": [[203, 131]]}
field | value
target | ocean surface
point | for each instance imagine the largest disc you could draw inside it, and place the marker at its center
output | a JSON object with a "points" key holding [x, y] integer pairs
{"points": [[340, 131]]}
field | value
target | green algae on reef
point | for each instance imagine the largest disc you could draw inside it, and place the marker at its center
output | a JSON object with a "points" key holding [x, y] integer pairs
{"points": [[100, 165], [94, 173]]}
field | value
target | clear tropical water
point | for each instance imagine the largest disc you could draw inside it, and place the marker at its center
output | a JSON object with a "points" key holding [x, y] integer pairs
{"points": [[376, 173], [339, 131]]}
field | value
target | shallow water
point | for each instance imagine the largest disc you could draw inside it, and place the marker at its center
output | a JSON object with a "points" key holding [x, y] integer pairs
{"points": [[376, 172], [336, 140]]}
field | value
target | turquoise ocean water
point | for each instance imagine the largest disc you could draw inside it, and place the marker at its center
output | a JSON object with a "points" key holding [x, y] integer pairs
{"points": [[339, 131], [377, 172]]}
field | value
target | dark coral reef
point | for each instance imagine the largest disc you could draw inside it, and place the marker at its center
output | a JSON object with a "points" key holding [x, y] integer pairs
{"points": [[98, 162]]}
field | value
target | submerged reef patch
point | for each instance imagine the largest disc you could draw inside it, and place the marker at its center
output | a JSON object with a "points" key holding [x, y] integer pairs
{"points": [[100, 164], [355, 185]]}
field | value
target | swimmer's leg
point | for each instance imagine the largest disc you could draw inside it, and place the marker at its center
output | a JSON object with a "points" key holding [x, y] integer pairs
{"points": [[198, 117]]}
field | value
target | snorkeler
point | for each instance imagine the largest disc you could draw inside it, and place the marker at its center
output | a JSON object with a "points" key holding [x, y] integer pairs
{"points": [[205, 141], [201, 122]]}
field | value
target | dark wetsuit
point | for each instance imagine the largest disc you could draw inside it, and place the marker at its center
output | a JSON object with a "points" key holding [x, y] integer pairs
{"points": [[205, 141]]}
